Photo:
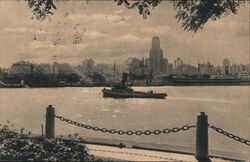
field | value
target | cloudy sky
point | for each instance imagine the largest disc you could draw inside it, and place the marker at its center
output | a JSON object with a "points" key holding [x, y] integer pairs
{"points": [[107, 32]]}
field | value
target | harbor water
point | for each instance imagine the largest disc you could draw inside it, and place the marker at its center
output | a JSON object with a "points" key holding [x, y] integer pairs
{"points": [[227, 107]]}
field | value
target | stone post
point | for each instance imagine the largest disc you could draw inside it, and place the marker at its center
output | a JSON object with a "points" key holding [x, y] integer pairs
{"points": [[50, 122], [201, 150]]}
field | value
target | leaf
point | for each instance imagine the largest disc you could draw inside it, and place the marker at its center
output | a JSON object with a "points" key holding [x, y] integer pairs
{"points": [[140, 9], [54, 6], [120, 2]]}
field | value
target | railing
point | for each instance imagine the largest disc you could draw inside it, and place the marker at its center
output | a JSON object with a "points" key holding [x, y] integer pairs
{"points": [[201, 150]]}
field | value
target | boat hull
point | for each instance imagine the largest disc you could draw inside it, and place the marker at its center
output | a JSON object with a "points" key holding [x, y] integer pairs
{"points": [[11, 86], [116, 94], [205, 82]]}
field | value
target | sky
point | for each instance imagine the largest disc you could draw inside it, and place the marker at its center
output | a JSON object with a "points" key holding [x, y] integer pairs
{"points": [[113, 33]]}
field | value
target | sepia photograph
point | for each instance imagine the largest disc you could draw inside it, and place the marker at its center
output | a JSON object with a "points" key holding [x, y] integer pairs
{"points": [[125, 80]]}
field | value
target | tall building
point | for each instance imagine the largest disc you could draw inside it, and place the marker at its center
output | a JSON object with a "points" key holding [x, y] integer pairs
{"points": [[178, 66], [226, 67], [178, 62], [164, 67], [156, 56]]}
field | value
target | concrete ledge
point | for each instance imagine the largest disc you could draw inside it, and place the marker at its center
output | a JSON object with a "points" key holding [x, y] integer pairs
{"points": [[130, 154]]}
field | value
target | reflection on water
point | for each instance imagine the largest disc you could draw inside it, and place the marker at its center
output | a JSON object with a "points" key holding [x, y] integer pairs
{"points": [[227, 107]]}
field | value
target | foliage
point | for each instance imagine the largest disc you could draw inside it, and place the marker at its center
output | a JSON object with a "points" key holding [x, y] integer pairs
{"points": [[18, 147], [41, 8], [142, 5], [193, 13], [43, 149], [5, 132]]}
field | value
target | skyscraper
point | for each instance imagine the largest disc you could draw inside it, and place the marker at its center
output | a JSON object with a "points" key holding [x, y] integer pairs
{"points": [[156, 56], [226, 66]]}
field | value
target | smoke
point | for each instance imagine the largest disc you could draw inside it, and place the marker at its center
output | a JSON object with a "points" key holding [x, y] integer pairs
{"points": [[66, 68]]}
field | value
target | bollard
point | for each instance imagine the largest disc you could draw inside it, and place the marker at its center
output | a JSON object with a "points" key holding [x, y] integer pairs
{"points": [[201, 150], [50, 122]]}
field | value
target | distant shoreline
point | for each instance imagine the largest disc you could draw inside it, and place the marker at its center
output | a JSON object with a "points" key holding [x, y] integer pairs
{"points": [[163, 85]]}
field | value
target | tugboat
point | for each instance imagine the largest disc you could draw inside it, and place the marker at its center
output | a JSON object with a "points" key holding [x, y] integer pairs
{"points": [[123, 90]]}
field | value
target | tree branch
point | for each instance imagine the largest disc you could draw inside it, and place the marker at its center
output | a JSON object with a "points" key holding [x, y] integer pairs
{"points": [[193, 14]]}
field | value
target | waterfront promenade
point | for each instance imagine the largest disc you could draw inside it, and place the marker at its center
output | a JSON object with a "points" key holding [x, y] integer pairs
{"points": [[130, 154], [140, 151]]}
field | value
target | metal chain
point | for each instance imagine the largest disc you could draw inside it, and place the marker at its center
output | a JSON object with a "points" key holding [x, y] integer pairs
{"points": [[129, 132], [230, 135]]}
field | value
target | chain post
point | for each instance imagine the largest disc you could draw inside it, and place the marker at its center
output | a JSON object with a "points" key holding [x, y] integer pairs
{"points": [[201, 153], [50, 122]]}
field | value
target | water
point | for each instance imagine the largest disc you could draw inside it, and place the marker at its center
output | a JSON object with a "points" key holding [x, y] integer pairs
{"points": [[226, 107]]}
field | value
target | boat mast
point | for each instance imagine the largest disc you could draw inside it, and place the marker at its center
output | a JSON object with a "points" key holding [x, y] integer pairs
{"points": [[54, 63], [114, 72], [199, 71]]}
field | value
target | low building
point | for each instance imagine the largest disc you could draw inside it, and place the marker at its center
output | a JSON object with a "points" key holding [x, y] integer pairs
{"points": [[170, 69], [206, 68], [218, 71]]}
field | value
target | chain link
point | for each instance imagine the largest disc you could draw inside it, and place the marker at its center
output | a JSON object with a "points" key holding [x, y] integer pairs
{"points": [[129, 132], [230, 135], [154, 132]]}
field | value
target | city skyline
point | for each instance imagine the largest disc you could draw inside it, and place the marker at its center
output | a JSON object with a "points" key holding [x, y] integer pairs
{"points": [[154, 69], [138, 65], [53, 60], [112, 33]]}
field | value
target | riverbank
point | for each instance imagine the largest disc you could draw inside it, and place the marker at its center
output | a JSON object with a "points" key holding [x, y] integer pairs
{"points": [[136, 85], [173, 82]]}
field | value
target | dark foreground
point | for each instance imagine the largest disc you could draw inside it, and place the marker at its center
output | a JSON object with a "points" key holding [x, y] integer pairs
{"points": [[19, 147]]}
